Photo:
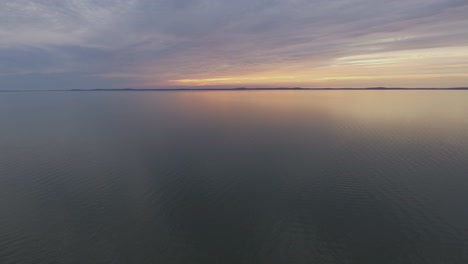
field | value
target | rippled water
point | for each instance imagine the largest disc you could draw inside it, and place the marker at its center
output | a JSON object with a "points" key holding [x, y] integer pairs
{"points": [[365, 177]]}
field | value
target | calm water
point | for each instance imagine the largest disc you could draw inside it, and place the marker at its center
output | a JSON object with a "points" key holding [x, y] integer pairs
{"points": [[364, 177]]}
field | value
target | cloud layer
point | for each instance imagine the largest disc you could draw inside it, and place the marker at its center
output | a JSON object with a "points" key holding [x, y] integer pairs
{"points": [[54, 44]]}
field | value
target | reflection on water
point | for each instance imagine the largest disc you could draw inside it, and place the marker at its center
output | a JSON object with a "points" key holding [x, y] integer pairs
{"points": [[234, 177]]}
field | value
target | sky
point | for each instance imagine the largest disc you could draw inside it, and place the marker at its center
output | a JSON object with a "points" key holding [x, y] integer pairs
{"points": [[89, 44]]}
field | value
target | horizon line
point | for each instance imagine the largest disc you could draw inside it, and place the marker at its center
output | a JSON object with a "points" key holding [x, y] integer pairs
{"points": [[228, 89]]}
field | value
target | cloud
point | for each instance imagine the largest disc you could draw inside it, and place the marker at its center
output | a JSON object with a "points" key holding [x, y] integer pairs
{"points": [[120, 43]]}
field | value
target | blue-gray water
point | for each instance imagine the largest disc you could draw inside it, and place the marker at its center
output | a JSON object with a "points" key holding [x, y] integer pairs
{"points": [[361, 177]]}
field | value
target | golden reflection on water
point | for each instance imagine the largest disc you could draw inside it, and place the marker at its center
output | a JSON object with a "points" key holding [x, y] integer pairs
{"points": [[392, 110]]}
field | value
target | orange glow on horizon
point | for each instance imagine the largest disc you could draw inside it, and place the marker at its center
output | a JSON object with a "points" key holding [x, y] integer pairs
{"points": [[409, 68]]}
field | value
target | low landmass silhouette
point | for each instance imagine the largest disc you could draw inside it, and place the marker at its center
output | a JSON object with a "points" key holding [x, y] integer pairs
{"points": [[226, 89]]}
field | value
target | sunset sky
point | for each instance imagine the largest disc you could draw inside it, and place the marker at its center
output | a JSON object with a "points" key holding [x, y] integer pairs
{"points": [[62, 44]]}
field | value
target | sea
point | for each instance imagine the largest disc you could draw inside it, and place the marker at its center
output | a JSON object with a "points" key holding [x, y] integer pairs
{"points": [[241, 177]]}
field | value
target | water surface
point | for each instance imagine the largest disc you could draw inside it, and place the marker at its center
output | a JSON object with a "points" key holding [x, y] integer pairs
{"points": [[328, 177]]}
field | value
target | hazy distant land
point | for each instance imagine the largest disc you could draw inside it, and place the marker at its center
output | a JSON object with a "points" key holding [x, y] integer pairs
{"points": [[230, 89]]}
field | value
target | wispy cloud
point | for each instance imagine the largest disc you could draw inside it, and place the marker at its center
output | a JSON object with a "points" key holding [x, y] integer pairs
{"points": [[120, 43]]}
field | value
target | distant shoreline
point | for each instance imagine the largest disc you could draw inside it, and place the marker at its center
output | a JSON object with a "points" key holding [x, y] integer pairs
{"points": [[242, 89]]}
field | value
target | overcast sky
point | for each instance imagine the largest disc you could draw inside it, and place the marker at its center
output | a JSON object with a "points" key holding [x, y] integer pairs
{"points": [[61, 44]]}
